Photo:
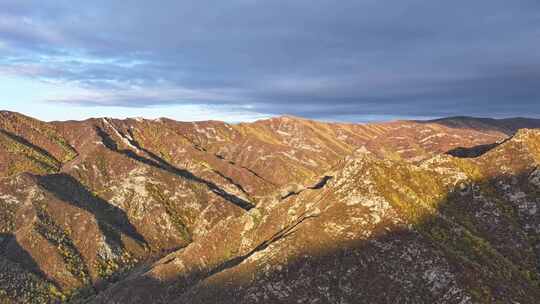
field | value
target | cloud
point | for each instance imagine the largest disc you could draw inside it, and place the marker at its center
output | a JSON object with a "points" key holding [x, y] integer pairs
{"points": [[139, 97], [322, 59]]}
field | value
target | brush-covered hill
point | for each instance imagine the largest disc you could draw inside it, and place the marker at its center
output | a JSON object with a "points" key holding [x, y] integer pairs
{"points": [[285, 210]]}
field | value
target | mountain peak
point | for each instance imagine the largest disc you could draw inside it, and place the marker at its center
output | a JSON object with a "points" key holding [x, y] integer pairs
{"points": [[84, 205]]}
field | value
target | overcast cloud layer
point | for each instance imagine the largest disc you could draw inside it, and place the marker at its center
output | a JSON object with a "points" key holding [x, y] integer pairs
{"points": [[340, 60]]}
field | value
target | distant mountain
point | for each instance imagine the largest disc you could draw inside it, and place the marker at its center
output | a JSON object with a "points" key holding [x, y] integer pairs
{"points": [[283, 210], [507, 125]]}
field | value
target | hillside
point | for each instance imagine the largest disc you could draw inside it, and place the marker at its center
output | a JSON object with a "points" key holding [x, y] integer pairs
{"points": [[284, 210]]}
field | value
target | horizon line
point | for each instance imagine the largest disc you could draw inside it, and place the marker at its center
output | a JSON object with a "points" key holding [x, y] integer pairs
{"points": [[292, 116]]}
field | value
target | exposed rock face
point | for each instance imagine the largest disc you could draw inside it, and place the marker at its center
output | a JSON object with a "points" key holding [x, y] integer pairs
{"points": [[284, 210]]}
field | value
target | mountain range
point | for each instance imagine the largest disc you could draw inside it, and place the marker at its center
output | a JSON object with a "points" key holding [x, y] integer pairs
{"points": [[283, 210]]}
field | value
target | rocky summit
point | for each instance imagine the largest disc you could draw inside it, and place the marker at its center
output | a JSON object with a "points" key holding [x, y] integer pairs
{"points": [[284, 210]]}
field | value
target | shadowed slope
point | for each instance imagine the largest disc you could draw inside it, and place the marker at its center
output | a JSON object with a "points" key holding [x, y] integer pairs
{"points": [[390, 223], [159, 163], [21, 278], [23, 141], [447, 258], [109, 217], [24, 151], [446, 231], [7, 240]]}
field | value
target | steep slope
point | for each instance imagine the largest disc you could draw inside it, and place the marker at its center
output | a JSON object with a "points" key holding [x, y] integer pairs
{"points": [[82, 224], [209, 211], [290, 149], [448, 231], [29, 145]]}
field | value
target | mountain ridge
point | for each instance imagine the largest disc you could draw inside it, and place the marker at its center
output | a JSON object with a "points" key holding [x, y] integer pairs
{"points": [[294, 117], [139, 211]]}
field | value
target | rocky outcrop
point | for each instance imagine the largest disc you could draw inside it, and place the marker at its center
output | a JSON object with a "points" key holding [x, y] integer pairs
{"points": [[284, 210]]}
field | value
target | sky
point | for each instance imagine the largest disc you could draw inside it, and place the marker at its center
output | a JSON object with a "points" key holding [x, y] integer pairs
{"points": [[242, 60]]}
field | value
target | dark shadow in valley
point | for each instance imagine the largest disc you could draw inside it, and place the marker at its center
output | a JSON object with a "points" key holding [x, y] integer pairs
{"points": [[109, 218], [159, 163], [13, 251], [472, 152], [21, 278], [476, 151], [471, 250], [319, 185]]}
